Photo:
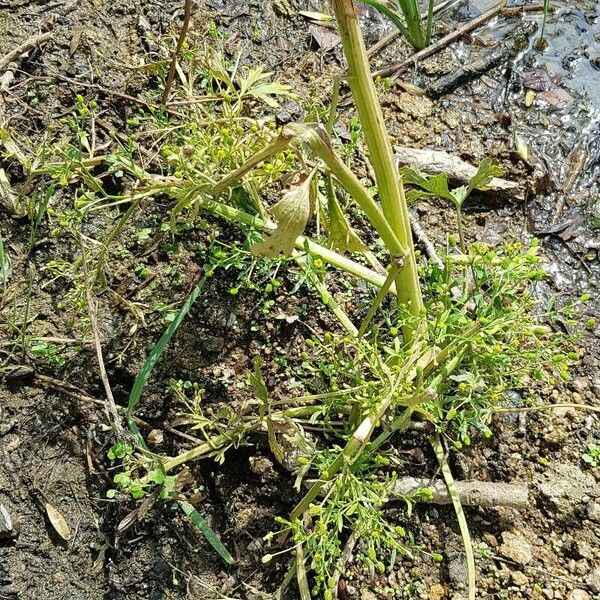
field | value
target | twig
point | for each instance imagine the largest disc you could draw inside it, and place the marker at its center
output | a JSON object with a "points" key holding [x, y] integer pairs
{"points": [[29, 43], [344, 558], [424, 240], [438, 161], [187, 11], [395, 68], [112, 411], [470, 493]]}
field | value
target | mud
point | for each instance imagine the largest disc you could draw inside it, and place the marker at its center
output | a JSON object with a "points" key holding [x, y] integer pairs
{"points": [[54, 446]]}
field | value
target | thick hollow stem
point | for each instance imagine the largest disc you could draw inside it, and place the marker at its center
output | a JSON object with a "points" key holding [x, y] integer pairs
{"points": [[391, 189]]}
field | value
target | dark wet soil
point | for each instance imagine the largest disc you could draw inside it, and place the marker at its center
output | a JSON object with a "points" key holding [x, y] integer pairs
{"points": [[53, 445]]}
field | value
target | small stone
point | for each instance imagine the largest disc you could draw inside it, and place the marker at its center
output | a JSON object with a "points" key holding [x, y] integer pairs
{"points": [[593, 512], [156, 437], [9, 526], [548, 593], [516, 548], [555, 437], [457, 570], [576, 397], [436, 592], [578, 595], [490, 539], [519, 579], [594, 580], [581, 384]]}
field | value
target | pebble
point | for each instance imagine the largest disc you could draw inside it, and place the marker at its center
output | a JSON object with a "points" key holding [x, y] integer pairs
{"points": [[594, 580], [548, 593], [516, 548], [519, 579], [578, 595], [593, 512], [580, 383], [436, 592]]}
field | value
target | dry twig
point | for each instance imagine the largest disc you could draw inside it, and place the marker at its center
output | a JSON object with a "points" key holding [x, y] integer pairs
{"points": [[187, 11]]}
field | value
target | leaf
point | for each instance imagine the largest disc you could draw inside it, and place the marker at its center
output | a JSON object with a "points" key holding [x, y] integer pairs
{"points": [[211, 537], [341, 236], [254, 85], [393, 16], [58, 522], [485, 173], [292, 213], [316, 16], [154, 356], [257, 381], [434, 185]]}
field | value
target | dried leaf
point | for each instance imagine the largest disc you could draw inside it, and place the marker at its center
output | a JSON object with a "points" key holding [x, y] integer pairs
{"points": [[341, 236], [326, 38], [58, 522], [316, 16], [292, 213]]}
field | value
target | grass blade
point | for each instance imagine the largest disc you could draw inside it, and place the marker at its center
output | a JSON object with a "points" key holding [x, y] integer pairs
{"points": [[154, 356], [211, 537]]}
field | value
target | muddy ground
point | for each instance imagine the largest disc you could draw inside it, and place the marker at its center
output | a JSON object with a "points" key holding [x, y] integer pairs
{"points": [[54, 445]]}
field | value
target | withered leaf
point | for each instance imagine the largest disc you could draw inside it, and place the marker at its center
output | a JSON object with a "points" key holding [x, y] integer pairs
{"points": [[341, 236], [58, 522], [292, 213]]}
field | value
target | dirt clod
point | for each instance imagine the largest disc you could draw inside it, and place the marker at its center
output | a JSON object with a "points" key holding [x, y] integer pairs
{"points": [[515, 547]]}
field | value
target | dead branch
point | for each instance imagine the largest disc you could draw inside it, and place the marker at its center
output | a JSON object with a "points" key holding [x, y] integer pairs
{"points": [[437, 161], [187, 11], [31, 42], [472, 493], [395, 68]]}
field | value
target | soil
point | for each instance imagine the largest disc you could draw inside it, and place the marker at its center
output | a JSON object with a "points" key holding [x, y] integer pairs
{"points": [[53, 444]]}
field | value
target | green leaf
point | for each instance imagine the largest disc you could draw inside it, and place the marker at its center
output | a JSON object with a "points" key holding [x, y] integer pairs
{"points": [[434, 185], [292, 213], [393, 16], [154, 356], [485, 173], [254, 85], [211, 537]]}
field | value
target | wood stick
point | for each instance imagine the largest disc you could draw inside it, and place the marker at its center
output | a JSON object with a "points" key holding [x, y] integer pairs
{"points": [[187, 11], [471, 493], [394, 69], [438, 161], [31, 42]]}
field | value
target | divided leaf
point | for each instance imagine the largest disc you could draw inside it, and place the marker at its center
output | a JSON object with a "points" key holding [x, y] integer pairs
{"points": [[292, 213], [255, 85]]}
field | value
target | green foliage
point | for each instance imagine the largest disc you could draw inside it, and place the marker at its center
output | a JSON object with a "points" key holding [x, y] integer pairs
{"points": [[406, 16], [591, 456]]}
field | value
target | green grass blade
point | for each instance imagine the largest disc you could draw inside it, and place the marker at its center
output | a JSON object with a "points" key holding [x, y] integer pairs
{"points": [[393, 16], [460, 514], [429, 29], [211, 537], [154, 356]]}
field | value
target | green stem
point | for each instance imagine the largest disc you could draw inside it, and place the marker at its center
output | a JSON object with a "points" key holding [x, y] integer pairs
{"points": [[391, 189], [461, 234], [394, 269], [460, 514], [302, 243]]}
